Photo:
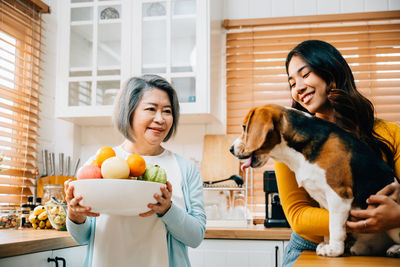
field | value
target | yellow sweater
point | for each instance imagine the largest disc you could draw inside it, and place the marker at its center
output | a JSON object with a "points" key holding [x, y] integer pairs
{"points": [[303, 213]]}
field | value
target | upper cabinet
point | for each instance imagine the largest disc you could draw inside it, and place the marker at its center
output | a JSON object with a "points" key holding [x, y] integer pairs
{"points": [[104, 43]]}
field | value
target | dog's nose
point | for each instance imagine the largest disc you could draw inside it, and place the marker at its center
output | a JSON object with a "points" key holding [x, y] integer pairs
{"points": [[232, 150]]}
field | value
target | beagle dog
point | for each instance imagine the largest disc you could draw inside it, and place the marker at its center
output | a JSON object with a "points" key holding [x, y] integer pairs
{"points": [[336, 169]]}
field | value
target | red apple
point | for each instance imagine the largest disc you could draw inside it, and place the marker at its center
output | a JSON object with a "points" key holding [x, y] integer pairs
{"points": [[89, 172]]}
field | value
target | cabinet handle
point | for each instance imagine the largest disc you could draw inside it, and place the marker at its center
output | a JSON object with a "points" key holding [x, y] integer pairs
{"points": [[52, 259], [64, 264], [276, 256]]}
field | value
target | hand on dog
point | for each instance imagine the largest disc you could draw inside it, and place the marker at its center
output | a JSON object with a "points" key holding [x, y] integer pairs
{"points": [[383, 212], [392, 190]]}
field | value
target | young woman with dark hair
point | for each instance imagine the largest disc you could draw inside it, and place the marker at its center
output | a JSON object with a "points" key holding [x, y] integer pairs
{"points": [[322, 84]]}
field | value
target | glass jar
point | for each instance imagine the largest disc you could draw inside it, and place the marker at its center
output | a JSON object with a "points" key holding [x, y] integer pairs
{"points": [[52, 190], [9, 218]]}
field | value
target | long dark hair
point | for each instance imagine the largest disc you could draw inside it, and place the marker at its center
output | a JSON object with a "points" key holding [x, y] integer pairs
{"points": [[352, 111]]}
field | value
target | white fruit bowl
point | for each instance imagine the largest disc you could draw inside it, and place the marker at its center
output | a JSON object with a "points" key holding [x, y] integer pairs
{"points": [[116, 196]]}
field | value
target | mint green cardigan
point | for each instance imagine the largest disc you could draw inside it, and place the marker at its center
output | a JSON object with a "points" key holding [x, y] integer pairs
{"points": [[184, 228]]}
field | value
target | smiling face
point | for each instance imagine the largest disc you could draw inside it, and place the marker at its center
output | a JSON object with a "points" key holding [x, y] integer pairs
{"points": [[152, 119], [307, 88]]}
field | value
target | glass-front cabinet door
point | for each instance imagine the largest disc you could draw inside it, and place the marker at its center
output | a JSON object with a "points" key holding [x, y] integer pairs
{"points": [[94, 52], [102, 43], [168, 46]]}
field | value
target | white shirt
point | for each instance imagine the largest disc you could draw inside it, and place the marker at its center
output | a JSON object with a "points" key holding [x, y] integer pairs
{"points": [[141, 241]]}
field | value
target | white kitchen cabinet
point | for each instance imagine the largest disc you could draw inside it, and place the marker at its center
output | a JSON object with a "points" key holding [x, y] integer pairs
{"points": [[33, 259], [73, 256], [103, 43], [237, 253]]}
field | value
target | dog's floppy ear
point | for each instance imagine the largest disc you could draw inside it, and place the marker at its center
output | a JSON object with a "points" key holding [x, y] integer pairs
{"points": [[259, 121]]}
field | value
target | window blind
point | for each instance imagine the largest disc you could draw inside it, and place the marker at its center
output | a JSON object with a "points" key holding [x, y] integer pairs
{"points": [[256, 51], [20, 42]]}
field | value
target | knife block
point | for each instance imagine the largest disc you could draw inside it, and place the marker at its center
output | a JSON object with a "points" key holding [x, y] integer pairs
{"points": [[55, 179]]}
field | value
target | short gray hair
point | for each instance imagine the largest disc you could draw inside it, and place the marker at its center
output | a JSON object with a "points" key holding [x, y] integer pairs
{"points": [[129, 97]]}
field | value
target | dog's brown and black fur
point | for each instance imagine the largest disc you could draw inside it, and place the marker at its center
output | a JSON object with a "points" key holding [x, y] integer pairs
{"points": [[335, 168]]}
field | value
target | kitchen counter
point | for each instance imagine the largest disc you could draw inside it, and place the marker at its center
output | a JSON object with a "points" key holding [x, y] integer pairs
{"points": [[18, 242], [250, 232], [309, 258]]}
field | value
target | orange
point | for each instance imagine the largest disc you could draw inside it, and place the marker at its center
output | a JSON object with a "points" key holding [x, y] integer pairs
{"points": [[94, 162], [104, 153], [136, 164]]}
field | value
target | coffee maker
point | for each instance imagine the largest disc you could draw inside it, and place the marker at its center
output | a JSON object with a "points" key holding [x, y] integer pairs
{"points": [[273, 209]]}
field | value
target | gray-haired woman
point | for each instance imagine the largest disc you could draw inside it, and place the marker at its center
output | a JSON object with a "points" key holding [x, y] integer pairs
{"points": [[146, 112]]}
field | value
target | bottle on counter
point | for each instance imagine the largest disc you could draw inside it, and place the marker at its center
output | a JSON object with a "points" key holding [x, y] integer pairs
{"points": [[25, 212], [38, 201]]}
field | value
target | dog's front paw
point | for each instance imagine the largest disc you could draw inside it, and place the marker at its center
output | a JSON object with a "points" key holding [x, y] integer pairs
{"points": [[333, 249], [394, 251]]}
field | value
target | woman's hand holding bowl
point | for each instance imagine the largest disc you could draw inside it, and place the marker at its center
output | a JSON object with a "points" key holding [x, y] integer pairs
{"points": [[76, 212], [163, 202]]}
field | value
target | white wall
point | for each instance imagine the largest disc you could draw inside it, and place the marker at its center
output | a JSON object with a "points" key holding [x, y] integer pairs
{"points": [[61, 136]]}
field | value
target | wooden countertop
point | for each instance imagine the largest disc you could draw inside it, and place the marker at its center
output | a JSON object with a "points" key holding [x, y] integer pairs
{"points": [[19, 242], [251, 232], [309, 258]]}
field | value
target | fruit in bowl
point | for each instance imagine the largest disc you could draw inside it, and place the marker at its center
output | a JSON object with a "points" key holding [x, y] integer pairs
{"points": [[115, 168], [57, 214], [137, 165], [108, 166], [154, 173], [104, 153], [89, 172]]}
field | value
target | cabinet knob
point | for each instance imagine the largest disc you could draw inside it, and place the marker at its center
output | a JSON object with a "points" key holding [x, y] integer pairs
{"points": [[52, 259], [64, 264]]}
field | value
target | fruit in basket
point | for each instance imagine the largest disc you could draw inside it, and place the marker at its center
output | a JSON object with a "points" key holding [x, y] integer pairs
{"points": [[137, 165], [33, 219], [89, 172], [155, 173], [115, 168], [38, 210], [42, 224], [42, 216], [39, 219], [104, 153]]}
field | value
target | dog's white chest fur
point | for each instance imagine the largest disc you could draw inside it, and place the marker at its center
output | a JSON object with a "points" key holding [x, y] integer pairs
{"points": [[308, 175], [313, 179]]}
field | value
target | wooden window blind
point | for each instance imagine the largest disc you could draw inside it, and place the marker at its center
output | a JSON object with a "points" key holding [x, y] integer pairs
{"points": [[256, 51], [20, 42]]}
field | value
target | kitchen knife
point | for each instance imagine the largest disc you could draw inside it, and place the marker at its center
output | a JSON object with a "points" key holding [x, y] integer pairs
{"points": [[53, 159], [61, 163], [50, 165], [46, 162], [76, 167], [44, 172], [68, 167]]}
